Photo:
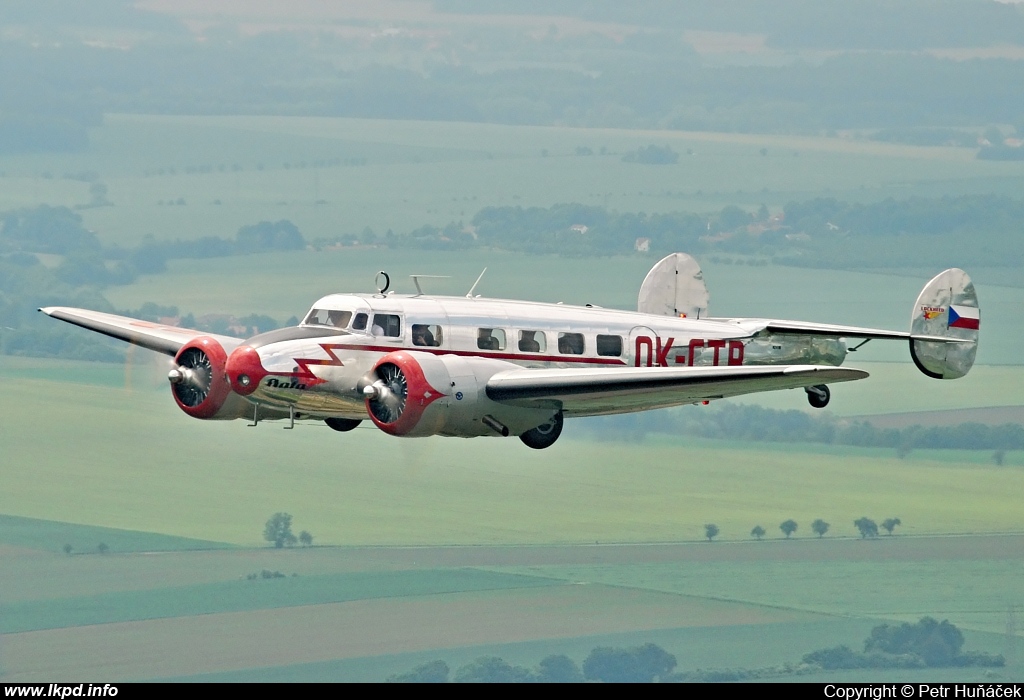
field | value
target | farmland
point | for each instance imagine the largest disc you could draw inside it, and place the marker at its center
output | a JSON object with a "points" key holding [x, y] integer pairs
{"points": [[337, 176]]}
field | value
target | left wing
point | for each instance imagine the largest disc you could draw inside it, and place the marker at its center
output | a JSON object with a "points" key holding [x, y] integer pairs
{"points": [[155, 336], [592, 392]]}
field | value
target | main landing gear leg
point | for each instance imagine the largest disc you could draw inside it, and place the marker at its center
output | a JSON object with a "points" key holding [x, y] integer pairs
{"points": [[818, 396], [543, 435]]}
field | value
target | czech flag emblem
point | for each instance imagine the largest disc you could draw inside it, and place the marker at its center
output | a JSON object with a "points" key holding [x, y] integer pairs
{"points": [[964, 317]]}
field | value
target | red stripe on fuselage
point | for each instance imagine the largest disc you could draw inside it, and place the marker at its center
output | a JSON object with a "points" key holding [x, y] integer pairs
{"points": [[511, 357]]}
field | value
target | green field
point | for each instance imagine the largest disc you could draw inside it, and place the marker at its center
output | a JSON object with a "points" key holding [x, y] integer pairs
{"points": [[129, 459], [435, 172]]}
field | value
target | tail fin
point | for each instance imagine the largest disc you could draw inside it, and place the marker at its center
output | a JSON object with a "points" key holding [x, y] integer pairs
{"points": [[674, 287], [947, 307]]}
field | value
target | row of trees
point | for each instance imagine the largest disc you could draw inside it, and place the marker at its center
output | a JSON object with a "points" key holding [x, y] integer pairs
{"points": [[729, 421], [926, 643], [642, 664], [822, 232], [865, 526]]}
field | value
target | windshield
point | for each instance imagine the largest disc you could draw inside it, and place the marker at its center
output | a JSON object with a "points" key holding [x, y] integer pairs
{"points": [[328, 317]]}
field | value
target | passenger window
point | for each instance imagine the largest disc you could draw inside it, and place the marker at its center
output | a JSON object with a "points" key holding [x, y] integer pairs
{"points": [[532, 341], [490, 339], [426, 335], [570, 343], [359, 323], [609, 345], [389, 325]]}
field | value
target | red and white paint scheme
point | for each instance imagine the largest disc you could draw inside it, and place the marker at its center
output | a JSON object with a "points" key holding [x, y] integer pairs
{"points": [[417, 365]]}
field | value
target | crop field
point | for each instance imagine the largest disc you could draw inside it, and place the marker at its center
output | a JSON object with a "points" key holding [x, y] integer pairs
{"points": [[337, 176], [721, 605]]}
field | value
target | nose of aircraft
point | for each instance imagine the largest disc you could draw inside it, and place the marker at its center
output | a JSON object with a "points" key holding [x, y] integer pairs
{"points": [[245, 370]]}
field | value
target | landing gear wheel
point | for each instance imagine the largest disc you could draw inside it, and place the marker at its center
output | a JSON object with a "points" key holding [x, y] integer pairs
{"points": [[818, 396], [543, 435], [342, 425]]}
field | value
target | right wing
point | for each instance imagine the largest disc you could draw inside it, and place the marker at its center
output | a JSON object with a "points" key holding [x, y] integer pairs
{"points": [[154, 336], [592, 392]]}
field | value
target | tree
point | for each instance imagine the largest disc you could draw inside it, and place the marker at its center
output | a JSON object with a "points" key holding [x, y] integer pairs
{"points": [[757, 532], [867, 527], [937, 643], [430, 672], [102, 548], [788, 528], [820, 527], [890, 524], [491, 669], [279, 530], [710, 531], [634, 665], [558, 668], [305, 538], [67, 549]]}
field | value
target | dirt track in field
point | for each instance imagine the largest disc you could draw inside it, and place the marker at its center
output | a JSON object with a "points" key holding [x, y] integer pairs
{"points": [[230, 641]]}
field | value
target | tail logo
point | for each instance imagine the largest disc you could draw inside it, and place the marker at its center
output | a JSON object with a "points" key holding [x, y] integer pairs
{"points": [[931, 312]]}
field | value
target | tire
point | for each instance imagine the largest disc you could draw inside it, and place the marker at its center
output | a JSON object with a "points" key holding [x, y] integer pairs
{"points": [[342, 425], [815, 397], [543, 435]]}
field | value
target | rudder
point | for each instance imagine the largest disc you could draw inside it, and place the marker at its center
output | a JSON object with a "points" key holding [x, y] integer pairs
{"points": [[947, 307]]}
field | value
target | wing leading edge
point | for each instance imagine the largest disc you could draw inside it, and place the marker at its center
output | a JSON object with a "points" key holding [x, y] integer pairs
{"points": [[154, 336], [586, 392]]}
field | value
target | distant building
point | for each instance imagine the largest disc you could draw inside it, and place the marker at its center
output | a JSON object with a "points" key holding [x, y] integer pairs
{"points": [[579, 228], [642, 245]]}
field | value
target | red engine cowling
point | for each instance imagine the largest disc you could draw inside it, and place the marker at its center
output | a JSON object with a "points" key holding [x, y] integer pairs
{"points": [[416, 394], [200, 384]]}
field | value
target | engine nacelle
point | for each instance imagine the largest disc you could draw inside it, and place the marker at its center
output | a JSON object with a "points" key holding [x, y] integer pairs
{"points": [[199, 382], [416, 394]]}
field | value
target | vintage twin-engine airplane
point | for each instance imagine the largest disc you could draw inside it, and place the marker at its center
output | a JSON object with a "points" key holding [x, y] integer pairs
{"points": [[418, 365]]}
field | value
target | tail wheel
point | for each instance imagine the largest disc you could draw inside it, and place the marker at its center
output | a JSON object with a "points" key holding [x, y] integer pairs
{"points": [[342, 425], [544, 435], [818, 396]]}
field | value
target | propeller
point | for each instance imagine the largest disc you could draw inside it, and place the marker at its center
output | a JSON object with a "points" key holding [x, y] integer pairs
{"points": [[191, 379], [387, 395]]}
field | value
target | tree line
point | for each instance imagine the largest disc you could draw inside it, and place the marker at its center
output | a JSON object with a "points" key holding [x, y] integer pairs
{"points": [[927, 643], [733, 421]]}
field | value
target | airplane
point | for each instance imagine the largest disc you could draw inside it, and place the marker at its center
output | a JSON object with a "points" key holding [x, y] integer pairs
{"points": [[417, 365]]}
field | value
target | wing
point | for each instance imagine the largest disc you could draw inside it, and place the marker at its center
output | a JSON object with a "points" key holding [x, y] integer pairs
{"points": [[592, 392], [154, 336]]}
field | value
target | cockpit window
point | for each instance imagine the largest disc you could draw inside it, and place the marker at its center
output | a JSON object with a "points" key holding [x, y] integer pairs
{"points": [[389, 325], [359, 322], [328, 317]]}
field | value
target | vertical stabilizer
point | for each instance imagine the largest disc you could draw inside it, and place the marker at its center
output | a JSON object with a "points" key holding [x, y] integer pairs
{"points": [[947, 307], [674, 287]]}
